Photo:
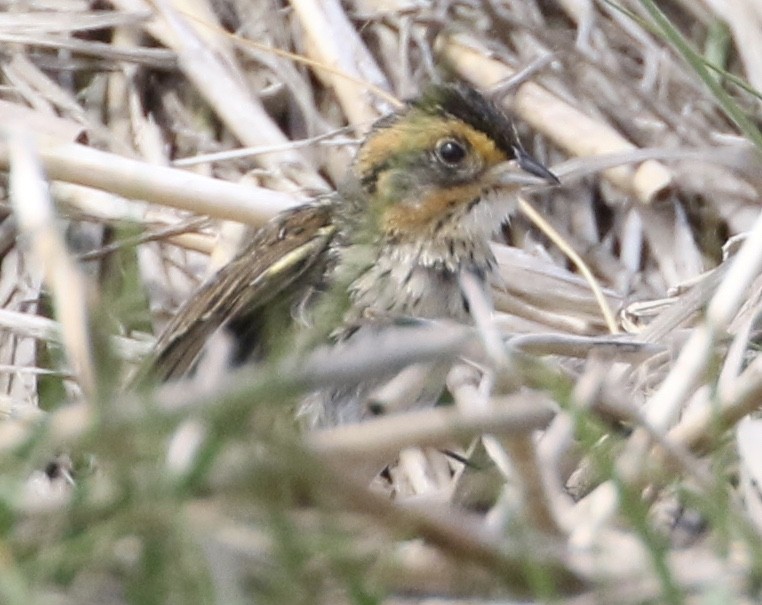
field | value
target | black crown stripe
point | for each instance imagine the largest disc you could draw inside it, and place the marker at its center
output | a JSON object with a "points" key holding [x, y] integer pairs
{"points": [[466, 104]]}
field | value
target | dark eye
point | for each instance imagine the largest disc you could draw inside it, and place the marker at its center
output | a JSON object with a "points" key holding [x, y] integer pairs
{"points": [[451, 152]]}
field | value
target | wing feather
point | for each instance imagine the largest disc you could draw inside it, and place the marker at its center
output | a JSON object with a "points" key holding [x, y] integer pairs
{"points": [[282, 252]]}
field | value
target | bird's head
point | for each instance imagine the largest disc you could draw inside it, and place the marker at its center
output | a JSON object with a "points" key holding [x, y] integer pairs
{"points": [[437, 158]]}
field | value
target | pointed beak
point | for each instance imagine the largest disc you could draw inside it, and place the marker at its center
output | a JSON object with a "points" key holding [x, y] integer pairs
{"points": [[523, 171], [531, 166]]}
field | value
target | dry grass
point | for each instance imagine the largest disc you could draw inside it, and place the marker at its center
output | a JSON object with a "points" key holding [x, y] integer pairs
{"points": [[605, 468]]}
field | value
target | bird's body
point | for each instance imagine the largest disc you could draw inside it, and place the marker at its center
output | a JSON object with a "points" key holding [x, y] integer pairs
{"points": [[416, 211]]}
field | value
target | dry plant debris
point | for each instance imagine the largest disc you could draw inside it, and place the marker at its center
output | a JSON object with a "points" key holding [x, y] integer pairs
{"points": [[609, 460]]}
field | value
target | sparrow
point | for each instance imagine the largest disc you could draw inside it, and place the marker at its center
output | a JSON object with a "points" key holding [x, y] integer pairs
{"points": [[428, 187]]}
